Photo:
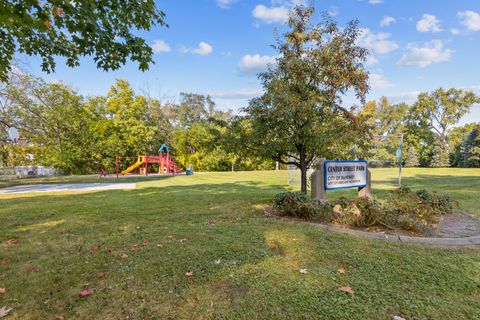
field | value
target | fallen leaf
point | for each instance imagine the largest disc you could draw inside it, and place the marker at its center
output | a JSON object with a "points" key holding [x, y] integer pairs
{"points": [[211, 223], [94, 249], [59, 317], [218, 261], [110, 249], [100, 275], [12, 241], [158, 246], [3, 290], [4, 311], [29, 267], [398, 318], [146, 243], [169, 237], [4, 261], [62, 232], [341, 270], [135, 248], [189, 273], [86, 292], [303, 271], [183, 240], [346, 289], [124, 256]]}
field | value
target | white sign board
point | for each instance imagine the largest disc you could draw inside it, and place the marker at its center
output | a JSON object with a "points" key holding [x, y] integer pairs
{"points": [[345, 174]]}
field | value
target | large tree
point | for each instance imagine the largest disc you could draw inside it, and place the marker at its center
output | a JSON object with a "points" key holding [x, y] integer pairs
{"points": [[441, 109], [104, 29], [299, 117]]}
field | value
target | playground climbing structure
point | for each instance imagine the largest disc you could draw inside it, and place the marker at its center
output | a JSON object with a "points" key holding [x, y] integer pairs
{"points": [[166, 163]]}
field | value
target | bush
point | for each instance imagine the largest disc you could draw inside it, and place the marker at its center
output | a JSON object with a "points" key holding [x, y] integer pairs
{"points": [[295, 204], [403, 209]]}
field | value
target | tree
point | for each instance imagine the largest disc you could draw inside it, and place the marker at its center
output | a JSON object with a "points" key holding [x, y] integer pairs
{"points": [[456, 141], [103, 28], [440, 157], [299, 118], [412, 158], [442, 109], [471, 149]]}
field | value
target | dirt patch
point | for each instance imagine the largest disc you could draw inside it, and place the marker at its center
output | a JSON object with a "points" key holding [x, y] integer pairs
{"points": [[456, 225]]}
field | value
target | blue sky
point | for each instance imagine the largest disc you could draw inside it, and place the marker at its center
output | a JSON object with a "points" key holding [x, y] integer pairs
{"points": [[216, 47]]}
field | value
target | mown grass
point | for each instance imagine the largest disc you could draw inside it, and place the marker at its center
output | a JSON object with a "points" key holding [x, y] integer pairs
{"points": [[244, 265]]}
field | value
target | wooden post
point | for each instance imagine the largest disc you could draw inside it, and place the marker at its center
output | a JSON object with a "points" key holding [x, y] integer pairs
{"points": [[116, 165], [319, 194], [366, 192]]}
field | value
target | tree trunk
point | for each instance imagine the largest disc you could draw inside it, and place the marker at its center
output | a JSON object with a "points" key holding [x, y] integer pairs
{"points": [[303, 170]]}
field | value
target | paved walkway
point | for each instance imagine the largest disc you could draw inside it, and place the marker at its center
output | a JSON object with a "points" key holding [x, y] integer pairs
{"points": [[466, 241], [67, 187]]}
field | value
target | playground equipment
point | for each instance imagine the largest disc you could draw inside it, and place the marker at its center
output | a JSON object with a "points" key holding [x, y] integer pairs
{"points": [[166, 163]]}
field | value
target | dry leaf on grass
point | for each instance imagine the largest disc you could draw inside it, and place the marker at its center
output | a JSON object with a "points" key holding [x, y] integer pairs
{"points": [[100, 275], [3, 290], [135, 248], [146, 243], [86, 292], [158, 246], [346, 289], [94, 249], [189, 273], [4, 311], [12, 241], [124, 256], [4, 261], [341, 270], [304, 271], [29, 267], [398, 318]]}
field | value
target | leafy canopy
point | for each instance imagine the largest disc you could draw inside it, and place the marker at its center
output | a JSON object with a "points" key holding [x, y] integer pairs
{"points": [[300, 118], [103, 29]]}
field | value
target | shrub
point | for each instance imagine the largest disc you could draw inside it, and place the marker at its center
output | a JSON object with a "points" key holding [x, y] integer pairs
{"points": [[295, 204], [404, 209]]}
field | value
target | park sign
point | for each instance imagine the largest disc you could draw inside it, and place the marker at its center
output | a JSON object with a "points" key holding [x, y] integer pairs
{"points": [[345, 174]]}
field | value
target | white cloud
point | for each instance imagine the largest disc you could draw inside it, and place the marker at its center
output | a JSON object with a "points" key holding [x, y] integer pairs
{"points": [[375, 1], [470, 19], [378, 81], [271, 14], [225, 4], [378, 43], [371, 61], [203, 49], [159, 46], [455, 31], [243, 93], [432, 52], [255, 63], [333, 11], [387, 21], [428, 23]]}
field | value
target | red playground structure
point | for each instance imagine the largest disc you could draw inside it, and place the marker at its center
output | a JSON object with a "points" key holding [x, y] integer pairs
{"points": [[166, 163]]}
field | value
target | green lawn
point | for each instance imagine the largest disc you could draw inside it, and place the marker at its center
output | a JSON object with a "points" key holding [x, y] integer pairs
{"points": [[243, 264]]}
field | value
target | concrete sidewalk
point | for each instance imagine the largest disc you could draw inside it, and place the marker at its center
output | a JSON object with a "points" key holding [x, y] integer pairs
{"points": [[29, 188]]}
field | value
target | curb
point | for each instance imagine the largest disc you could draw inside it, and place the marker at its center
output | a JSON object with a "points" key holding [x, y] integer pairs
{"points": [[464, 241]]}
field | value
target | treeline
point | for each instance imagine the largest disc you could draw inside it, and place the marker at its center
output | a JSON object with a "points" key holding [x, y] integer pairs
{"points": [[432, 136], [80, 135]]}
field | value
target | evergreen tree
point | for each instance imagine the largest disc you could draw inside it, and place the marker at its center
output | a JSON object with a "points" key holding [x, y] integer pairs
{"points": [[412, 158], [440, 158], [471, 149]]}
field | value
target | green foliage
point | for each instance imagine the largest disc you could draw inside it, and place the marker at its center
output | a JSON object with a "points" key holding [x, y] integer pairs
{"points": [[295, 204], [402, 209], [72, 29], [471, 149], [440, 158], [412, 159], [299, 117]]}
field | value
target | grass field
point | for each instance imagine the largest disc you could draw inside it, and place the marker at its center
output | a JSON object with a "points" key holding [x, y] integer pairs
{"points": [[199, 247]]}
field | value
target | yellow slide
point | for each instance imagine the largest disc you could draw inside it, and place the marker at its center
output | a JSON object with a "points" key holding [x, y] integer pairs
{"points": [[140, 162]]}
